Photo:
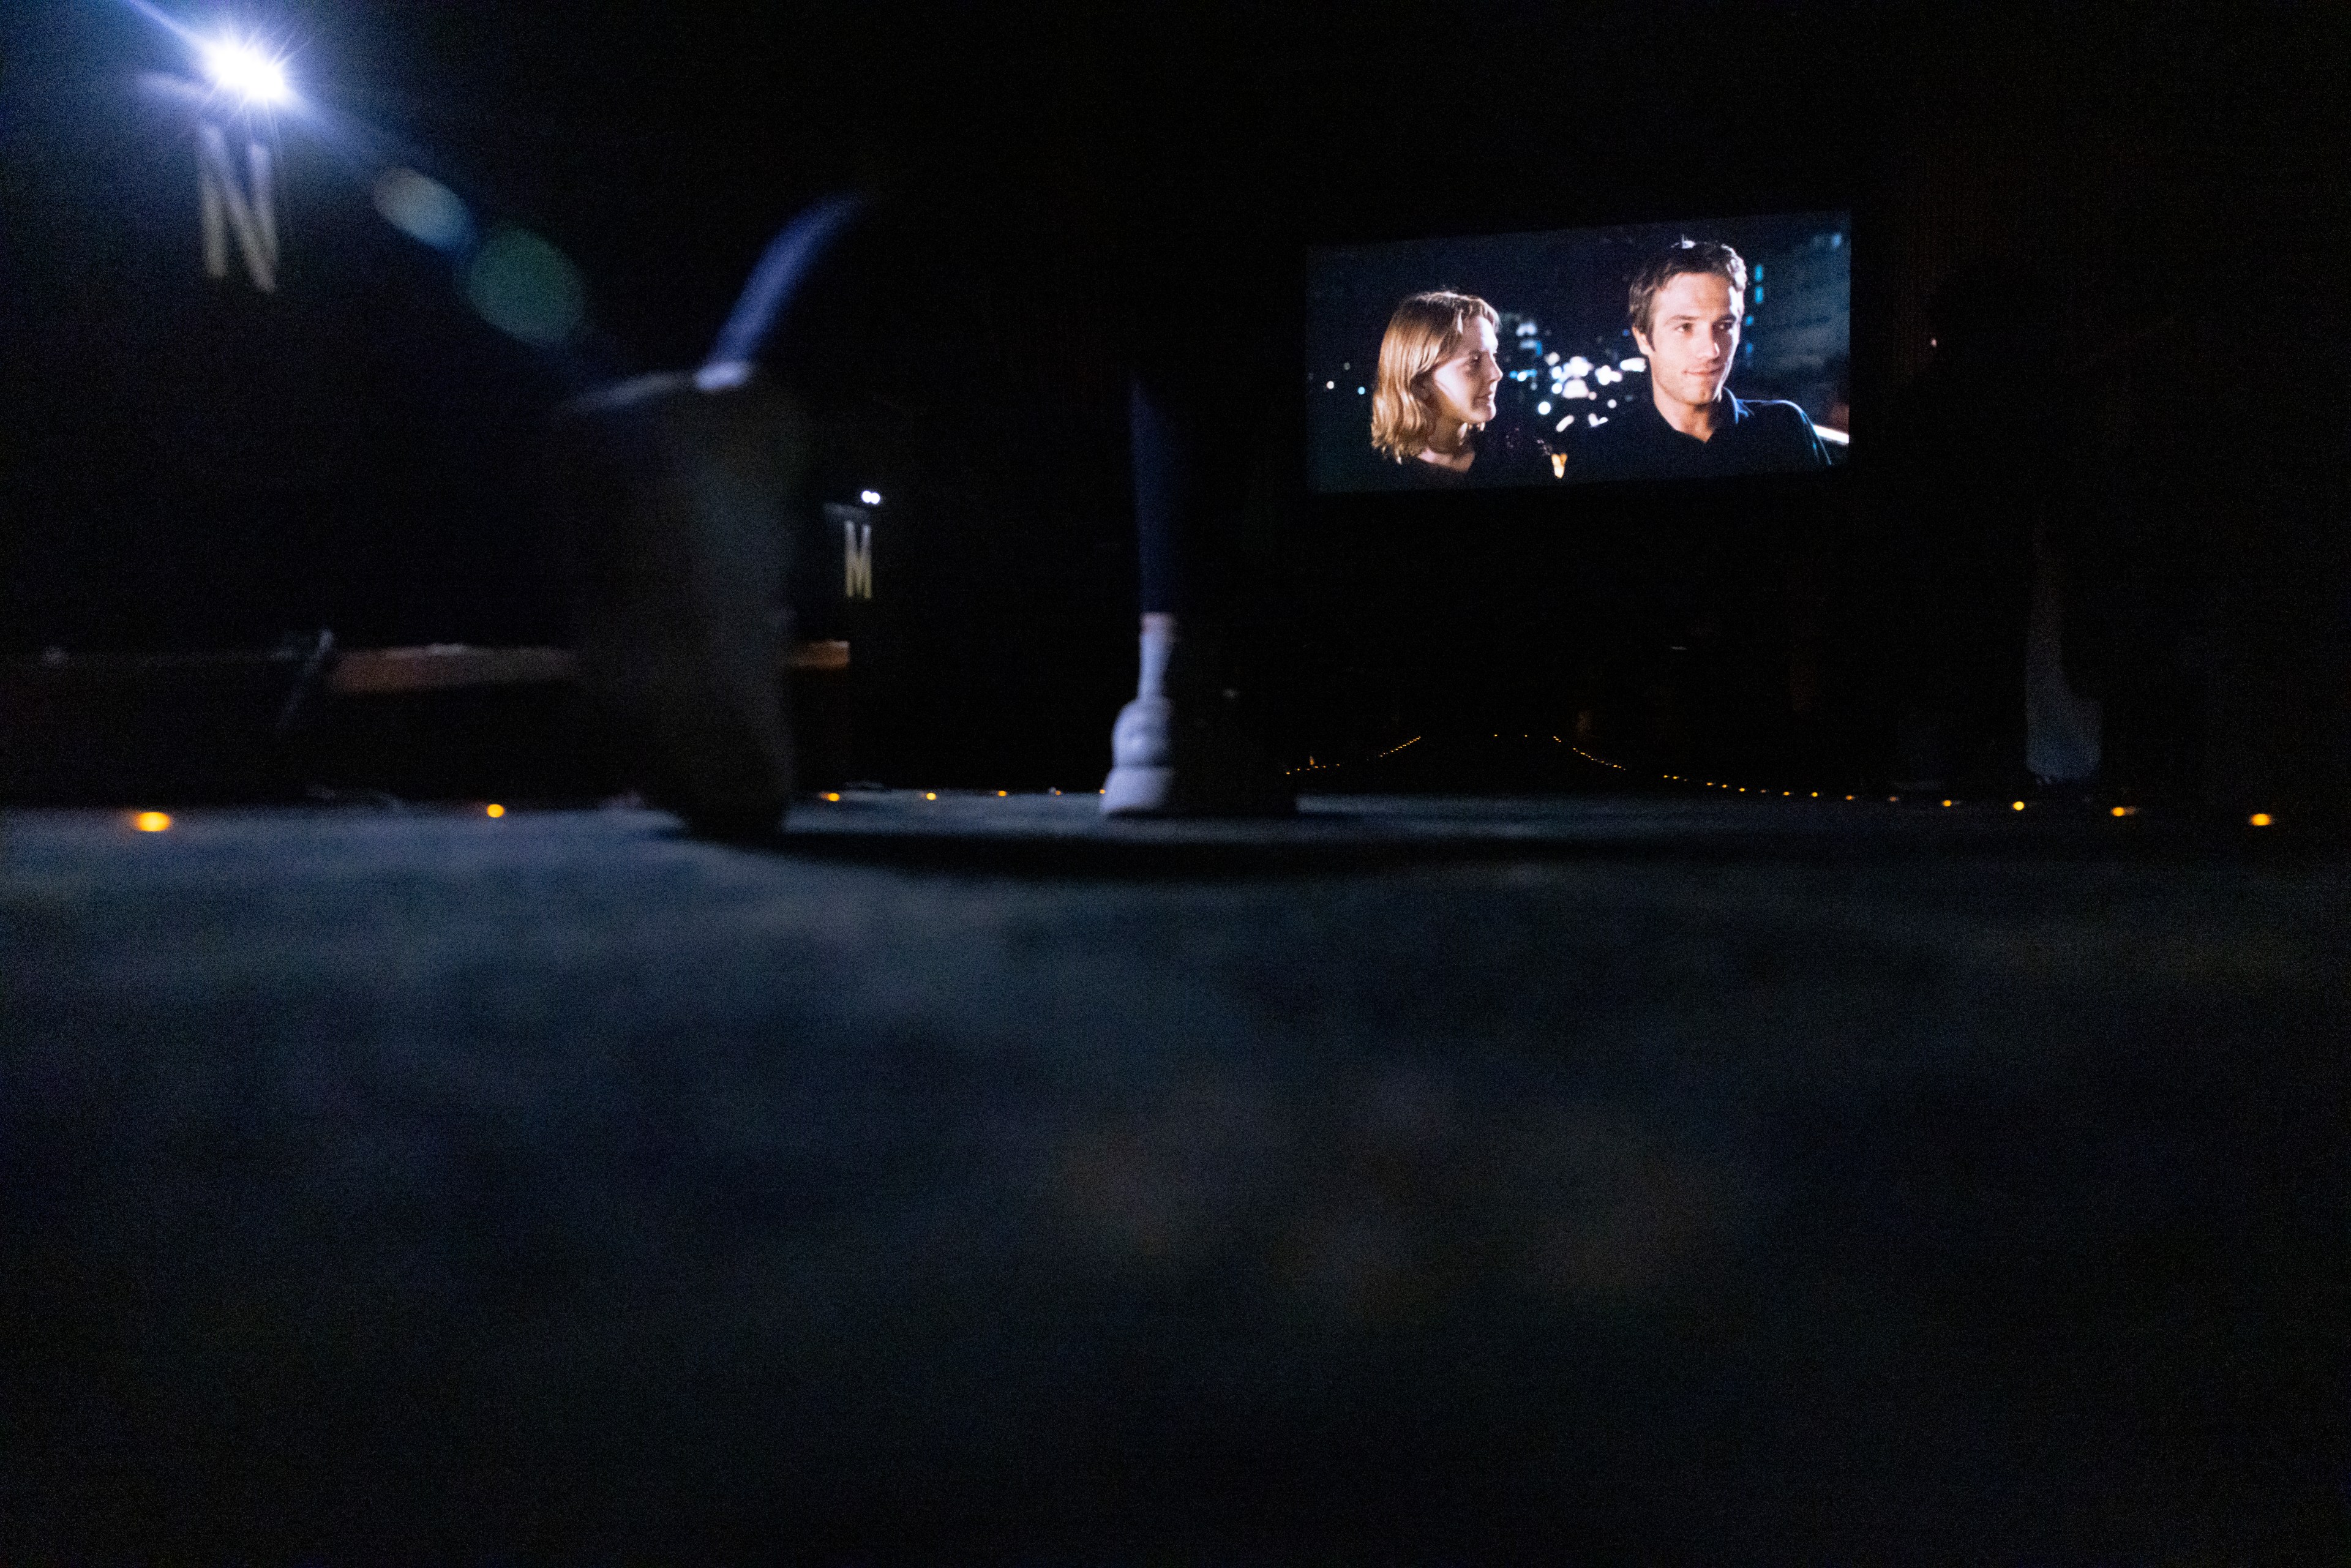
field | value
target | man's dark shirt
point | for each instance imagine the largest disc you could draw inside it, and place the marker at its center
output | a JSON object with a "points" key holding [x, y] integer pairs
{"points": [[1750, 437]]}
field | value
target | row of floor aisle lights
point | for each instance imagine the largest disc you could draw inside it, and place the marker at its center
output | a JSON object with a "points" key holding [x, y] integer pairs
{"points": [[2258, 818], [160, 822]]}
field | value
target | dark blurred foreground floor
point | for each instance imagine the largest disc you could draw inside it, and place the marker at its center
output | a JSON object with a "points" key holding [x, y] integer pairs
{"points": [[961, 1179]]}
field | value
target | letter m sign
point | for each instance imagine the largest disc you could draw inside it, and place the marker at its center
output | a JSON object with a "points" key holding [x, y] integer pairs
{"points": [[856, 559]]}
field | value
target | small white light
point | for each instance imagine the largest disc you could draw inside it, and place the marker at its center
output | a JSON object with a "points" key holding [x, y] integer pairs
{"points": [[870, 497], [245, 70], [1544, 407]]}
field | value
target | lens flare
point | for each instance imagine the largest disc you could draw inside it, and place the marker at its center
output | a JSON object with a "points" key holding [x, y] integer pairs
{"points": [[423, 209], [525, 287]]}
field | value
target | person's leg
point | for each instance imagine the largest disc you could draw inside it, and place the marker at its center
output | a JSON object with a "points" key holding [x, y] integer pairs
{"points": [[670, 504], [1203, 369], [671, 498]]}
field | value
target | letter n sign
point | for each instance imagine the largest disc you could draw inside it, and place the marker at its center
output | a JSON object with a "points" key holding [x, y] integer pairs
{"points": [[246, 206]]}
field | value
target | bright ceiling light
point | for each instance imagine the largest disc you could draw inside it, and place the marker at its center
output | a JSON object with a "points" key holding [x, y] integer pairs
{"points": [[246, 71]]}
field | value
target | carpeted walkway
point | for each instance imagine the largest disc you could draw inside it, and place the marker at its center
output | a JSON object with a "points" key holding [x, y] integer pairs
{"points": [[962, 1180]]}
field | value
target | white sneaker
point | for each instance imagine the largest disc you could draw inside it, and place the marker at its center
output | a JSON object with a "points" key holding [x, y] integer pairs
{"points": [[1179, 747], [1141, 759]]}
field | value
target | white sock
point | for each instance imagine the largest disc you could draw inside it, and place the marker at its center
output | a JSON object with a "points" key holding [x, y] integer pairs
{"points": [[1158, 645]]}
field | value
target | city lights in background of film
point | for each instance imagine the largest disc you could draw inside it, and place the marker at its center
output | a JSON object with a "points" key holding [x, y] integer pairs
{"points": [[241, 96]]}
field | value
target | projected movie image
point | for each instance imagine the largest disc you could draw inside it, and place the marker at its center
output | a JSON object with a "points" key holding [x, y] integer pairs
{"points": [[1652, 352]]}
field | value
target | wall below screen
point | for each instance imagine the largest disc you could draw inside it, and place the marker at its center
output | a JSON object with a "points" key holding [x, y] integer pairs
{"points": [[1667, 628]]}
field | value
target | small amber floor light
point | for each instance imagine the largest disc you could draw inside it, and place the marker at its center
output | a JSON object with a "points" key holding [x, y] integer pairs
{"points": [[2260, 818], [151, 821], [494, 809]]}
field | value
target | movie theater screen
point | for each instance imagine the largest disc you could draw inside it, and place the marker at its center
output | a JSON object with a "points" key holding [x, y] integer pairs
{"points": [[1693, 350]]}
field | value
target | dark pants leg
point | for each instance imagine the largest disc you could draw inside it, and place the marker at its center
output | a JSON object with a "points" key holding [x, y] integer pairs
{"points": [[1203, 347]]}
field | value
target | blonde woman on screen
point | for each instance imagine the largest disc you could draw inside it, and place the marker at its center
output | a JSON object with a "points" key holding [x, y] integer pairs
{"points": [[1437, 378]]}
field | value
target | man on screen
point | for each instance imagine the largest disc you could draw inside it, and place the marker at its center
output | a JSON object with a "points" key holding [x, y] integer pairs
{"points": [[1685, 305]]}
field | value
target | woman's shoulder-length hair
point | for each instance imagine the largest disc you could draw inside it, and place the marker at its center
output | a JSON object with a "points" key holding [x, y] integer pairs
{"points": [[1425, 328]]}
